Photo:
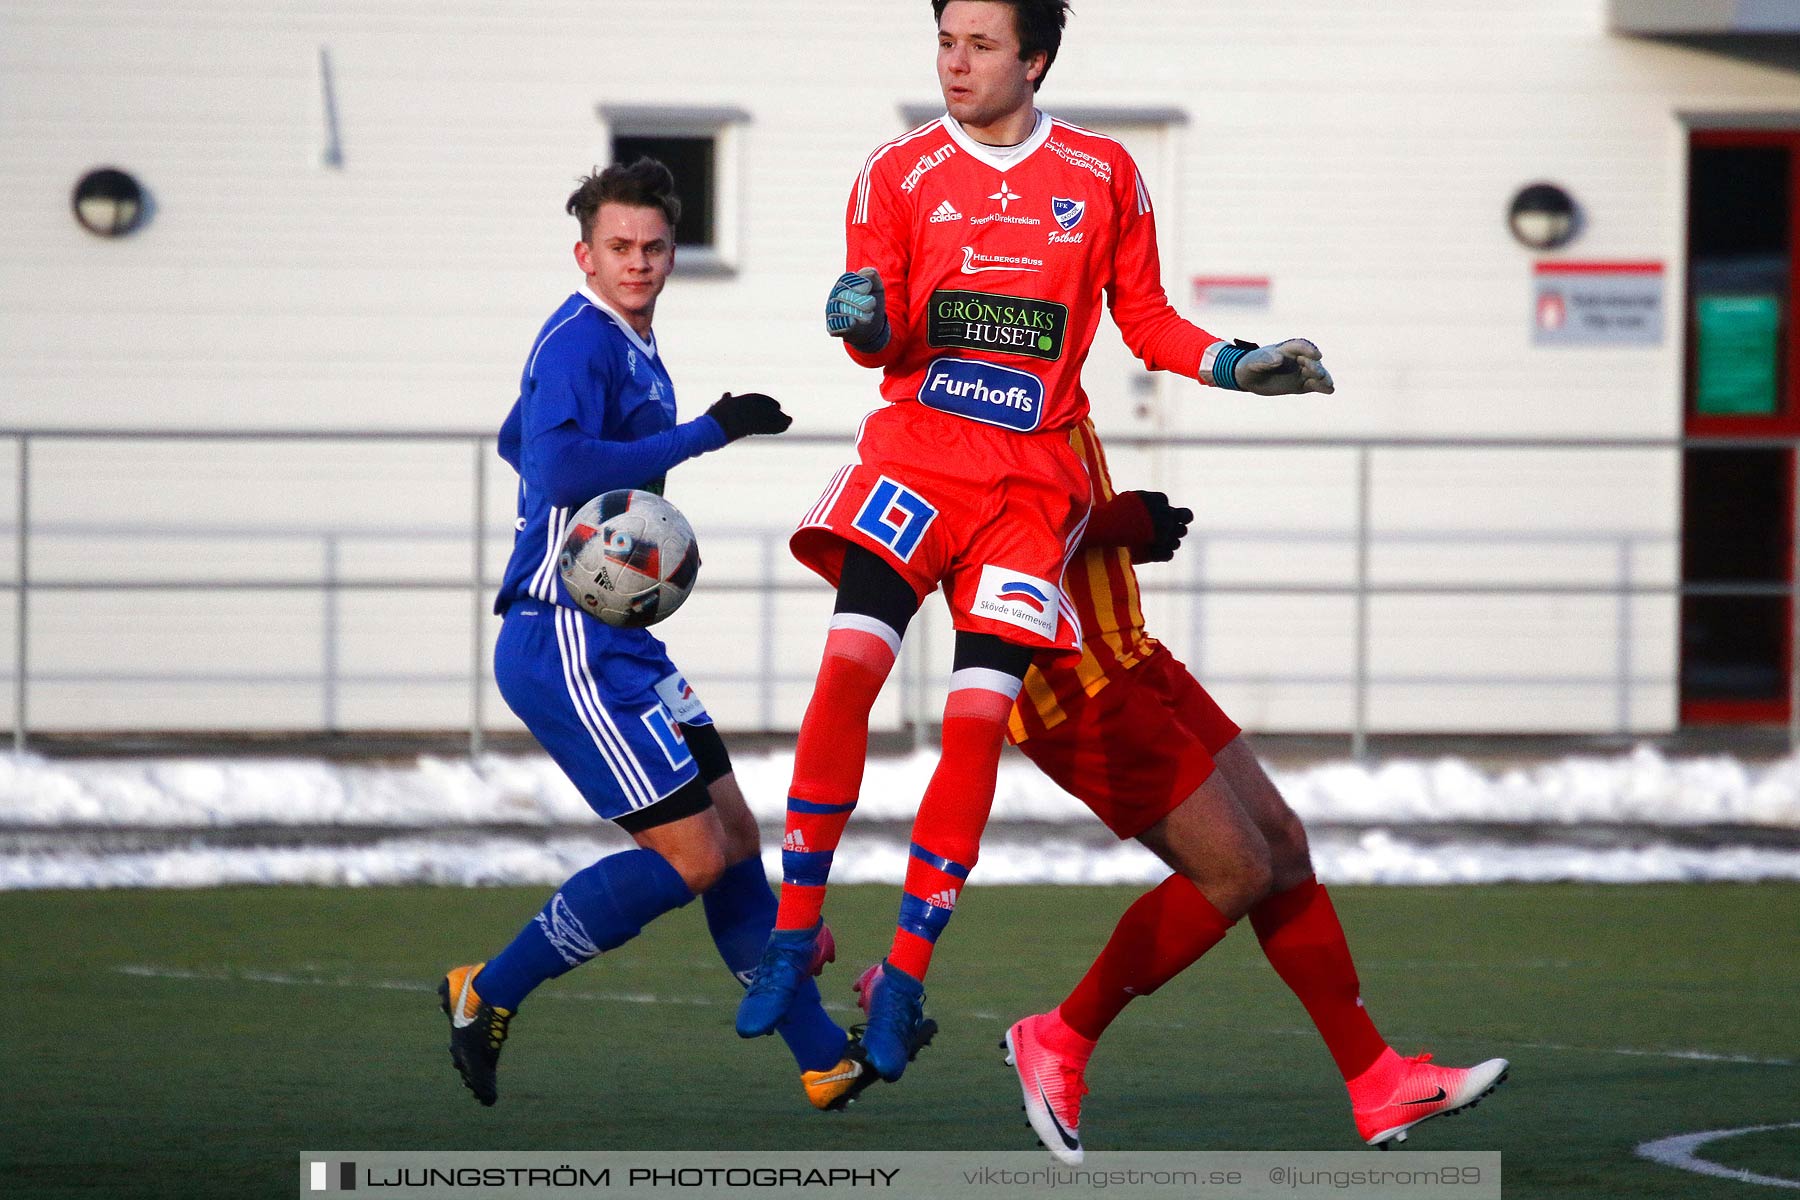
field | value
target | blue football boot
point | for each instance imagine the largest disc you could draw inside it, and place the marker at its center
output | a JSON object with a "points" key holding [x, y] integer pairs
{"points": [[790, 958], [896, 1021]]}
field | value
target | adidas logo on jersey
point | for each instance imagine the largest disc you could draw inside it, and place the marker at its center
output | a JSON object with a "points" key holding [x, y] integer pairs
{"points": [[943, 899], [793, 841], [945, 212]]}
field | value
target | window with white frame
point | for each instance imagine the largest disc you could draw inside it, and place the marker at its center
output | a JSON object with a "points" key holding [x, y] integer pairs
{"points": [[702, 146]]}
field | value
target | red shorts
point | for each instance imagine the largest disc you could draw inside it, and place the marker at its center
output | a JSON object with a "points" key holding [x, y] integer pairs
{"points": [[1137, 748], [990, 513]]}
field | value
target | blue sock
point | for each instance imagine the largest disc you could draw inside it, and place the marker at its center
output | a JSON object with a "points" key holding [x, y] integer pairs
{"points": [[740, 912], [599, 908]]}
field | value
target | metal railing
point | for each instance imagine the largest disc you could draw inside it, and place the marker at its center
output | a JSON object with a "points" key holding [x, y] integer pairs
{"points": [[914, 677]]}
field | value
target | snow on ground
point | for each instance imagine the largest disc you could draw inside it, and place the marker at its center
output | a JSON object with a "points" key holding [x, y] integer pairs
{"points": [[1377, 858], [454, 814], [1642, 787]]}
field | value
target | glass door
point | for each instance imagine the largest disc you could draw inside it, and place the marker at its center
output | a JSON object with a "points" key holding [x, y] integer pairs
{"points": [[1738, 502]]}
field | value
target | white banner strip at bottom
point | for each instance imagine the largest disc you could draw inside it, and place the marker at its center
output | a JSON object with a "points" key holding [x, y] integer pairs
{"points": [[906, 1175]]}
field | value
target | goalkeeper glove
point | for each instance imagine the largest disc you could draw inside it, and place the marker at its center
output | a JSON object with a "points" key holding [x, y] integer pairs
{"points": [[752, 412], [856, 310], [1170, 525], [1287, 368]]}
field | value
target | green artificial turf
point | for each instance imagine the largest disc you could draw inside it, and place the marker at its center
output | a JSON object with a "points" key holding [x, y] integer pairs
{"points": [[193, 1042]]}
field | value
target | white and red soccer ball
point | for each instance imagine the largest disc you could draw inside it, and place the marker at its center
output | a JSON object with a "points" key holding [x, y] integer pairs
{"points": [[629, 558]]}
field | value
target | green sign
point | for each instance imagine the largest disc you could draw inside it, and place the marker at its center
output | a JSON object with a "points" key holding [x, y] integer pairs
{"points": [[1738, 355]]}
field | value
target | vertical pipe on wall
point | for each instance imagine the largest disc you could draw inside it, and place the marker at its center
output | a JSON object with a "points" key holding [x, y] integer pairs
{"points": [[477, 609], [1359, 726], [20, 610]]}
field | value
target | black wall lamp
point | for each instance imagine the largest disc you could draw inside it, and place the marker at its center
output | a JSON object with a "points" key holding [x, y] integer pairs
{"points": [[109, 203], [1544, 217]]}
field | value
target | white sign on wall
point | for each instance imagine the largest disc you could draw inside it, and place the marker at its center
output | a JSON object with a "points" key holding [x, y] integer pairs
{"points": [[1238, 291], [1597, 304]]}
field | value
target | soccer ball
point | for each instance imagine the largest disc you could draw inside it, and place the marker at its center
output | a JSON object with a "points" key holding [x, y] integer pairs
{"points": [[629, 558]]}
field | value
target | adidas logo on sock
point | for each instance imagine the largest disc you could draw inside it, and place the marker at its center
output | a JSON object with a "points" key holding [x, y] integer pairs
{"points": [[945, 212], [794, 841], [943, 899]]}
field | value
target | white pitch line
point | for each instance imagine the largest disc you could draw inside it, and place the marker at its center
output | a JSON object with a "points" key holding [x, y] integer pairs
{"points": [[1678, 1152], [224, 976], [408, 985], [1684, 1055], [391, 985], [1496, 1043]]}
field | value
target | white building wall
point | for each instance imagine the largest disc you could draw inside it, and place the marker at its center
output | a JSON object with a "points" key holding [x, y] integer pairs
{"points": [[1360, 155]]}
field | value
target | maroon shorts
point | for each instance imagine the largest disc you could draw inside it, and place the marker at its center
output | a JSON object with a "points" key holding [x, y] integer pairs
{"points": [[1139, 747]]}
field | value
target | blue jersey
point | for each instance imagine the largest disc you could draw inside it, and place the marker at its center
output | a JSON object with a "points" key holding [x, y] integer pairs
{"points": [[596, 412]]}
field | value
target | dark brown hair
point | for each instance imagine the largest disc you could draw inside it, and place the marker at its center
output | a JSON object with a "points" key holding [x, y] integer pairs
{"points": [[646, 183], [1039, 24]]}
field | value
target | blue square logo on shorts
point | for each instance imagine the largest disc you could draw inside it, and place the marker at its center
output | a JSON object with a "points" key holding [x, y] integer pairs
{"points": [[985, 392], [895, 517]]}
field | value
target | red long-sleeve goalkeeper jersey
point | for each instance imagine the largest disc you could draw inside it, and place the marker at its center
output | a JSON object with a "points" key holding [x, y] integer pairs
{"points": [[995, 262]]}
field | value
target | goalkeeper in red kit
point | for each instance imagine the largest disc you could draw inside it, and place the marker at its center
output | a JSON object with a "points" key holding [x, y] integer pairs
{"points": [[979, 248]]}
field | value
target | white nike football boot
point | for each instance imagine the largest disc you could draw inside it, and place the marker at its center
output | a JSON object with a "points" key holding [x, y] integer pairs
{"points": [[1052, 1085]]}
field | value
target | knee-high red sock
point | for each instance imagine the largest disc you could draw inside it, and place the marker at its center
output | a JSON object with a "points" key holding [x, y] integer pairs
{"points": [[947, 831], [1163, 933], [1300, 933], [828, 763]]}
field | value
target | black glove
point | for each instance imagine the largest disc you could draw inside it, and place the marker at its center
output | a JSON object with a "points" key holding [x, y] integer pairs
{"points": [[1170, 525], [752, 412]]}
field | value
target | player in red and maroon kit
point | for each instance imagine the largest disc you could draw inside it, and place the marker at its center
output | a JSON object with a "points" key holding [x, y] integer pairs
{"points": [[1129, 731], [979, 247]]}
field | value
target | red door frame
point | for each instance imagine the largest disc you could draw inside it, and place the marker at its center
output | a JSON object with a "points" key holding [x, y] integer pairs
{"points": [[1784, 423]]}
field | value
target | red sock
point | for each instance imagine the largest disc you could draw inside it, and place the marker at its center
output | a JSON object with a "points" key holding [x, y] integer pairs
{"points": [[947, 831], [1300, 933], [1061, 1038], [828, 763], [1164, 932]]}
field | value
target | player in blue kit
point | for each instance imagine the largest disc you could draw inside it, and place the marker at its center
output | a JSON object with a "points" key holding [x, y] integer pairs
{"points": [[596, 412]]}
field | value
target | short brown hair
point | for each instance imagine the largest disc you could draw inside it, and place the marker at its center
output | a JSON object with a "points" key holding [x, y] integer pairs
{"points": [[1039, 24], [646, 183]]}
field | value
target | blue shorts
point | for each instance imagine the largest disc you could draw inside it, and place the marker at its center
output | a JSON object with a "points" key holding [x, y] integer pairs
{"points": [[606, 703]]}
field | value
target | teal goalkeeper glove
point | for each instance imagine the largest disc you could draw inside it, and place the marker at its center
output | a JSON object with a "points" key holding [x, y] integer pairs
{"points": [[1287, 368], [856, 310]]}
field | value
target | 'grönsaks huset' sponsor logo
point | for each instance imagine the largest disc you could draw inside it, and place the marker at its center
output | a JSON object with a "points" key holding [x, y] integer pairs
{"points": [[985, 392], [1009, 324]]}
